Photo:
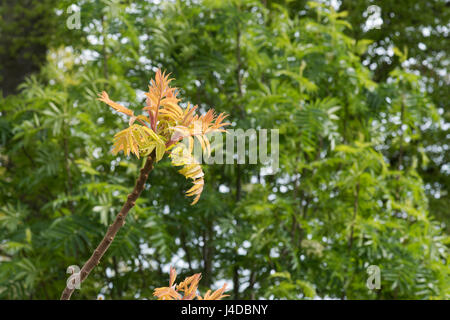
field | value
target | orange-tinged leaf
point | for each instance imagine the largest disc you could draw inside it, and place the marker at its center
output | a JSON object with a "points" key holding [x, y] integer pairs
{"points": [[166, 293], [202, 142], [217, 295], [143, 118], [173, 276], [105, 98], [198, 186], [171, 104], [193, 171], [181, 156], [137, 139], [189, 286]]}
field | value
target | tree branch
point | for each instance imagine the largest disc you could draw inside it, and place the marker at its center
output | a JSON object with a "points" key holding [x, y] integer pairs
{"points": [[114, 228]]}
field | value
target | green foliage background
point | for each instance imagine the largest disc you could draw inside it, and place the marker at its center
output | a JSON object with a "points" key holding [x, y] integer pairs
{"points": [[363, 149]]}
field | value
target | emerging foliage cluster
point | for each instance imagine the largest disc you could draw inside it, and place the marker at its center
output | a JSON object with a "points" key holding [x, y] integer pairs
{"points": [[167, 124]]}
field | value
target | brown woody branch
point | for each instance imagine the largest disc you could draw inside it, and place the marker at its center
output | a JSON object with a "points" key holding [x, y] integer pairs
{"points": [[114, 228]]}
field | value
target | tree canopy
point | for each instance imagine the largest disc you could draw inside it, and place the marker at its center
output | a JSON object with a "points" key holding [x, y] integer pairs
{"points": [[363, 149]]}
